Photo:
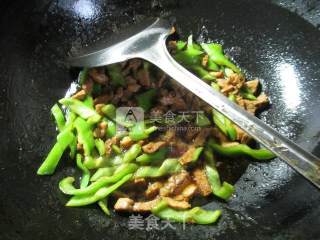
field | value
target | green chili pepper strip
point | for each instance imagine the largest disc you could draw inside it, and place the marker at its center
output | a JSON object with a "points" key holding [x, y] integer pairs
{"points": [[66, 186], [202, 120], [153, 157], [191, 56], [215, 53], [78, 107], [59, 117], [223, 191], [212, 66], [117, 78], [69, 125], [83, 75], [139, 131], [54, 156], [110, 111], [180, 45], [202, 73], [194, 215], [103, 172], [232, 98], [103, 204], [102, 193], [100, 146], [215, 86], [132, 153], [196, 154], [96, 89], [224, 124], [247, 93], [88, 101], [85, 135], [116, 149], [169, 166], [111, 128], [146, 98], [85, 172], [242, 149]]}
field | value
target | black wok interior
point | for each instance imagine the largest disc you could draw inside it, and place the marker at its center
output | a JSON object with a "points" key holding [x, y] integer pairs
{"points": [[268, 42]]}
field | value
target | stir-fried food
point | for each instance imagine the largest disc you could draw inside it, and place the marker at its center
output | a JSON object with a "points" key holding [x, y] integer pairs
{"points": [[160, 161]]}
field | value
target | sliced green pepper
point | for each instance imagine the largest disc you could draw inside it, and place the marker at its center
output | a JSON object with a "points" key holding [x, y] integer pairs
{"points": [[100, 146], [169, 166], [66, 186], [153, 157], [224, 124], [85, 135], [58, 116], [103, 172], [194, 215], [111, 128], [78, 107], [85, 172], [103, 204], [223, 191], [202, 120], [146, 99], [132, 153], [191, 56], [117, 78], [215, 53], [139, 131], [54, 156], [83, 75], [241, 149], [100, 194], [88, 101]]}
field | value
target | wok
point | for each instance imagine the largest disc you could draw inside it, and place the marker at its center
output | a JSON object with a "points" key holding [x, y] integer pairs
{"points": [[271, 201]]}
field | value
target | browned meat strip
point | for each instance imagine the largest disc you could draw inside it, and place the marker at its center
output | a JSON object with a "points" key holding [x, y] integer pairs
{"points": [[109, 142], [191, 134], [153, 189], [98, 76], [200, 178], [124, 204], [252, 85], [144, 78], [253, 105], [187, 156], [126, 142], [145, 206], [118, 95], [98, 108], [232, 84], [80, 95], [175, 184], [100, 131], [201, 137], [103, 99], [217, 74], [167, 99], [177, 204], [127, 204], [187, 193], [153, 146], [242, 136]]}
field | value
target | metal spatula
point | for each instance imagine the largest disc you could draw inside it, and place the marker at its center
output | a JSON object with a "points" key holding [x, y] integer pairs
{"points": [[148, 41]]}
